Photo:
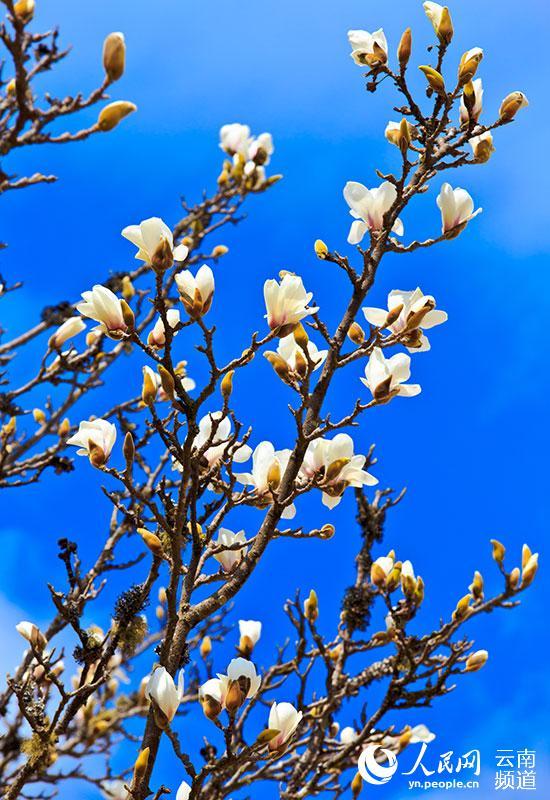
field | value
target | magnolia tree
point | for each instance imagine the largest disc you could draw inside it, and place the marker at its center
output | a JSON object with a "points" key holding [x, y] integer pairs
{"points": [[179, 464]]}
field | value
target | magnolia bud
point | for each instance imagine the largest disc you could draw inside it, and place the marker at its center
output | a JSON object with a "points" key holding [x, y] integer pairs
{"points": [[246, 646], [525, 555], [435, 79], [482, 147], [514, 577], [300, 336], [356, 786], [205, 647], [128, 449], [468, 66], [393, 315], [226, 386], [112, 114], [377, 575], [530, 570], [476, 586], [149, 388], [167, 382], [211, 707], [128, 290], [64, 428], [311, 607], [163, 257], [10, 87], [220, 250], [114, 56], [24, 10], [404, 49], [159, 613], [152, 541], [279, 364], [162, 595], [127, 315], [511, 105], [321, 250], [266, 736], [498, 551], [327, 531], [140, 765], [462, 607], [234, 698], [96, 455], [476, 661], [356, 333], [39, 416], [32, 634]]}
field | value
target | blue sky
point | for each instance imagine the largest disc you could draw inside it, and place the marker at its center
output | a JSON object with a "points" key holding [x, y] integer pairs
{"points": [[472, 448]]}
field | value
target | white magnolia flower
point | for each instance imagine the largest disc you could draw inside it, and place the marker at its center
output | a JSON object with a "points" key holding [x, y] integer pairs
{"points": [[197, 291], [482, 146], [457, 208], [368, 49], [32, 633], [164, 692], [334, 463], [286, 303], [393, 132], [243, 672], [215, 431], [213, 691], [369, 206], [283, 717], [114, 790], [95, 438], [294, 357], [261, 149], [235, 138], [184, 791], [385, 377], [408, 313], [71, 327], [103, 306], [420, 733], [268, 466], [434, 12], [477, 106], [348, 735], [250, 628], [380, 570], [155, 243], [230, 558], [157, 337]]}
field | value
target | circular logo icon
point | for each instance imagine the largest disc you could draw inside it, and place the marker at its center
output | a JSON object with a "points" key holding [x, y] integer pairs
{"points": [[373, 772]]}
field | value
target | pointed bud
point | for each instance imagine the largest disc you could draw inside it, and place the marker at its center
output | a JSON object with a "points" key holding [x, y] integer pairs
{"points": [[140, 765], [419, 593], [127, 315], [327, 531], [226, 386], [205, 647], [279, 364], [525, 555], [128, 449], [234, 698], [393, 315], [445, 29], [530, 570], [514, 577], [112, 114], [64, 428], [149, 389], [128, 290], [511, 104], [114, 56], [377, 575], [404, 49], [39, 416], [476, 586], [476, 661], [152, 541], [356, 333], [311, 607], [32, 634], [162, 595], [356, 786], [468, 66], [321, 250], [498, 551], [435, 79], [219, 251], [167, 382], [300, 336], [462, 607]]}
